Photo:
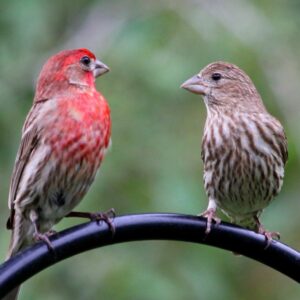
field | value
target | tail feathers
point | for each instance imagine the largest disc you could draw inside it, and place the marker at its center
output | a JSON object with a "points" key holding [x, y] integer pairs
{"points": [[15, 246], [12, 295], [250, 224], [250, 221]]}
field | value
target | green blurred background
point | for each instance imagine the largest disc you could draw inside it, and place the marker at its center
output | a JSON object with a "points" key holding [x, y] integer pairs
{"points": [[154, 164]]}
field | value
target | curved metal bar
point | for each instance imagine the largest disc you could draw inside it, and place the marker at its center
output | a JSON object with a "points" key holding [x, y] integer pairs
{"points": [[160, 226]]}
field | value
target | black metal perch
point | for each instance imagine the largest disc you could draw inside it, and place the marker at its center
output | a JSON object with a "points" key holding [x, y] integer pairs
{"points": [[186, 228]]}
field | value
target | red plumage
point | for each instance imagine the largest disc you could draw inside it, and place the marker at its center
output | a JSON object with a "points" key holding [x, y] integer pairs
{"points": [[64, 139]]}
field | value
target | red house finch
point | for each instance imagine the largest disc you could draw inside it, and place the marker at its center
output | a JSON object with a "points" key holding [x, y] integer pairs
{"points": [[64, 139], [244, 148]]}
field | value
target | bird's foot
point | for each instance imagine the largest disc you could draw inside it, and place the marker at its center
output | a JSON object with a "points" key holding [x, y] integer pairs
{"points": [[38, 236], [51, 232], [210, 215], [106, 217], [269, 235], [44, 237]]}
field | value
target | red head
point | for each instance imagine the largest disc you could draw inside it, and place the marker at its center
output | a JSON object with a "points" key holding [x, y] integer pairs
{"points": [[77, 67]]}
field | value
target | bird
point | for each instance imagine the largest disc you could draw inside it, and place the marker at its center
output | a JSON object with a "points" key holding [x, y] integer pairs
{"points": [[244, 148], [64, 139]]}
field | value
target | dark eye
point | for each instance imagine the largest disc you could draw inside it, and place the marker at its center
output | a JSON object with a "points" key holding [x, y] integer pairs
{"points": [[85, 60], [216, 76]]}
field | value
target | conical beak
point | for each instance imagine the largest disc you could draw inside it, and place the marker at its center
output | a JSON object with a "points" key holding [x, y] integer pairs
{"points": [[195, 85], [100, 68]]}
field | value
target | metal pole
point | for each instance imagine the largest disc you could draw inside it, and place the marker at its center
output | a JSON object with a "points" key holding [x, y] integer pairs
{"points": [[140, 227]]}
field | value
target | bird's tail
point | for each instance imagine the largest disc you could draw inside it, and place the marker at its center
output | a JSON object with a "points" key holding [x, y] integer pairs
{"points": [[12, 295], [250, 222], [16, 244]]}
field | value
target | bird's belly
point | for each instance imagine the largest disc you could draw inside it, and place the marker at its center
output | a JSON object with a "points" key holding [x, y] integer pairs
{"points": [[60, 181], [241, 183], [70, 183]]}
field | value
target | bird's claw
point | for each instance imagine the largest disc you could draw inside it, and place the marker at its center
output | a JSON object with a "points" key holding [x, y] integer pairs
{"points": [[210, 215], [51, 232], [44, 237], [269, 235], [111, 213], [106, 217]]}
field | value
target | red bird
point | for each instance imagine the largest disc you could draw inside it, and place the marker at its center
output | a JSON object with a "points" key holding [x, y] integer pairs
{"points": [[64, 140]]}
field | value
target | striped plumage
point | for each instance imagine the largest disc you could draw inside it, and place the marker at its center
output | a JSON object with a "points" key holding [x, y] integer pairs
{"points": [[64, 139], [244, 148]]}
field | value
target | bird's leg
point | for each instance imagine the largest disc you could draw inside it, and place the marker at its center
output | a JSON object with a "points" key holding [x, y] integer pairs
{"points": [[269, 235], [210, 215], [37, 235], [51, 232], [106, 217]]}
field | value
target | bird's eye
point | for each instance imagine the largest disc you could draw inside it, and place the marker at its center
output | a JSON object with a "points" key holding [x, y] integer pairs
{"points": [[85, 60], [216, 76]]}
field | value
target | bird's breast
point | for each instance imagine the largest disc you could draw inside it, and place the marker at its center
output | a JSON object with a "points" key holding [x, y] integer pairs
{"points": [[242, 171], [80, 129]]}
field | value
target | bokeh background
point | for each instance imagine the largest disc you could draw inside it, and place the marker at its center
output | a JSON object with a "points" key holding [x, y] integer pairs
{"points": [[154, 164]]}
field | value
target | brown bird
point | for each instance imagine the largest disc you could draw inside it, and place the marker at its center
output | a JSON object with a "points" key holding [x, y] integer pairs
{"points": [[244, 148]]}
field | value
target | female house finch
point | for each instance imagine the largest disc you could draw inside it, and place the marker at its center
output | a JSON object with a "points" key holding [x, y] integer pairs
{"points": [[244, 148], [64, 139]]}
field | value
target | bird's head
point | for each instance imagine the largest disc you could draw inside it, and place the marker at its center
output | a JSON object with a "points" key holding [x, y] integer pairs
{"points": [[77, 67], [225, 86]]}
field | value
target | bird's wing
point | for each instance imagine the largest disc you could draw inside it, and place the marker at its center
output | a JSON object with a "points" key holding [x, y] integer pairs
{"points": [[283, 146], [29, 141], [280, 137]]}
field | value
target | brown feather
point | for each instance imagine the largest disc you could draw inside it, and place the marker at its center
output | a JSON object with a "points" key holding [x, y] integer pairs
{"points": [[28, 143]]}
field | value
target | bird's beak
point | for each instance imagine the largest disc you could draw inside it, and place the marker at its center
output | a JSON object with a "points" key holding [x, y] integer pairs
{"points": [[196, 85], [99, 68]]}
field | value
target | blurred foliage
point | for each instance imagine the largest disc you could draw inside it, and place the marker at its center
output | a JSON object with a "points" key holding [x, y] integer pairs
{"points": [[154, 164]]}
